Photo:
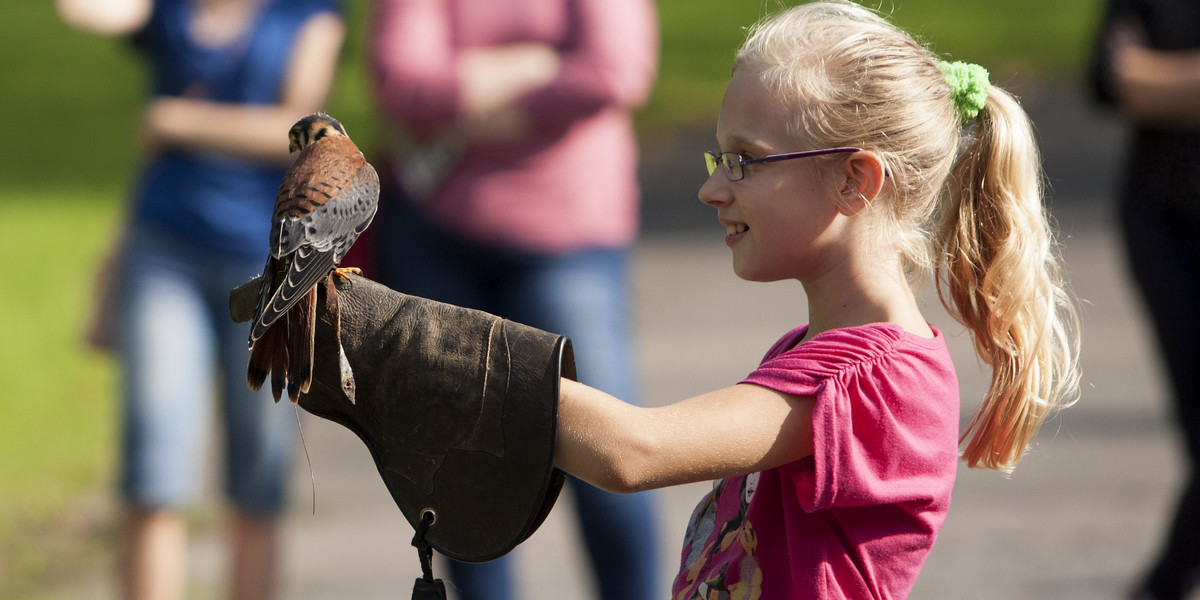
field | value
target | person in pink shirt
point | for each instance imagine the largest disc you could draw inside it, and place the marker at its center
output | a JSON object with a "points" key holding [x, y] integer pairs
{"points": [[510, 186], [512, 120], [852, 159]]}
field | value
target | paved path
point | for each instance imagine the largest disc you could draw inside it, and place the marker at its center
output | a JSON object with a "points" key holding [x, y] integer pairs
{"points": [[1077, 519]]}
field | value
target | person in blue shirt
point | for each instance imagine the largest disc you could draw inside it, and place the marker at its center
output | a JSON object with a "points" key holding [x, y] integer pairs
{"points": [[228, 78]]}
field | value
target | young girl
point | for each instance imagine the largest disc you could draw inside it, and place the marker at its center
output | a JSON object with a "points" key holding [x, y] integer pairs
{"points": [[853, 160]]}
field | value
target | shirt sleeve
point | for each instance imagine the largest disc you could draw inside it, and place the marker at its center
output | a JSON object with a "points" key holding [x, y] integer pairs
{"points": [[884, 422]]}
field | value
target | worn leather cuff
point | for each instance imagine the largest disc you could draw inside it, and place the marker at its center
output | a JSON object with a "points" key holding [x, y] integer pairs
{"points": [[458, 407]]}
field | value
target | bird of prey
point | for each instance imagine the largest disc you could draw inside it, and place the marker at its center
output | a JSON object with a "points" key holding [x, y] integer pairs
{"points": [[326, 199]]}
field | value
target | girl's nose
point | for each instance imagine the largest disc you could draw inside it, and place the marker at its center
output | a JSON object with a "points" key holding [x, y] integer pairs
{"points": [[715, 190]]}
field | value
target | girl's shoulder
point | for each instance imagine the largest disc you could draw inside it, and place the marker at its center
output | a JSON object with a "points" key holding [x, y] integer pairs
{"points": [[854, 343], [877, 350]]}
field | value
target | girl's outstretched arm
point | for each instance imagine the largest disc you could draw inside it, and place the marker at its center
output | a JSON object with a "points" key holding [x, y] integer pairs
{"points": [[624, 448]]}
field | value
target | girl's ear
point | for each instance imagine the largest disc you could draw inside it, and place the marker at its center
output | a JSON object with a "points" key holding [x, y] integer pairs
{"points": [[861, 174]]}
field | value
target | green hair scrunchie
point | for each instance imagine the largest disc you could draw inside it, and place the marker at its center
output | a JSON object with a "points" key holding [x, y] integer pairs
{"points": [[969, 87]]}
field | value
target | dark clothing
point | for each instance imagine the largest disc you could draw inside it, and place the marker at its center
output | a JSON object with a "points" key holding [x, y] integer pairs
{"points": [[1164, 254], [1160, 219]]}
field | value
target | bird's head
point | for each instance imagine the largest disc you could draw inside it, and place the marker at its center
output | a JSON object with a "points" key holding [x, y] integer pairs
{"points": [[312, 128]]}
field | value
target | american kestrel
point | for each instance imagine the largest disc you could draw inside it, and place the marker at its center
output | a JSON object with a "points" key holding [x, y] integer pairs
{"points": [[326, 199]]}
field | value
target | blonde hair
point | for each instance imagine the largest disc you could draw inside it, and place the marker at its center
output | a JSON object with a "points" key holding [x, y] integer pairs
{"points": [[963, 202]]}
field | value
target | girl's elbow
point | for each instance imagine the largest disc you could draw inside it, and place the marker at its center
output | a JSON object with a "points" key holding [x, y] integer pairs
{"points": [[626, 478], [623, 471]]}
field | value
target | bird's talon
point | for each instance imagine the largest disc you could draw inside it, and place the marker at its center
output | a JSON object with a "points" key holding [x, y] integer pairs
{"points": [[346, 272]]}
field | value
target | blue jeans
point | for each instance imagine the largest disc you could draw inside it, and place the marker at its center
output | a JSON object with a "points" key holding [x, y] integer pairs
{"points": [[179, 348], [583, 295]]}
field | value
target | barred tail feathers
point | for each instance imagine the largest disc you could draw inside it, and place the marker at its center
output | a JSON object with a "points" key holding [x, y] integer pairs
{"points": [[302, 325], [268, 356]]}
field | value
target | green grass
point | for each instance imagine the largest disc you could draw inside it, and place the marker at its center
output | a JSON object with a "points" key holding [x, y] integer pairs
{"points": [[56, 405], [70, 103]]}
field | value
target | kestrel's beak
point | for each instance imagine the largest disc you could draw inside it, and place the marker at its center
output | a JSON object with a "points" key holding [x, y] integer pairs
{"points": [[293, 146]]}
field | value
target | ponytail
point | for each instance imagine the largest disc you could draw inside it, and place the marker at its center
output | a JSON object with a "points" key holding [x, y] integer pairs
{"points": [[999, 274]]}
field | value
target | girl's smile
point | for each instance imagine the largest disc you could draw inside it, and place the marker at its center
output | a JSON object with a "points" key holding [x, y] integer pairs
{"points": [[734, 232]]}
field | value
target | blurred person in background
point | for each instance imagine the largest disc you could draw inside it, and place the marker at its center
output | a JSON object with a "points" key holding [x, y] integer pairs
{"points": [[513, 189], [1148, 65], [227, 78]]}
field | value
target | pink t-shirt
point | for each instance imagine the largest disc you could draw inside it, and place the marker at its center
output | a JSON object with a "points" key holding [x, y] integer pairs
{"points": [[573, 183], [858, 518]]}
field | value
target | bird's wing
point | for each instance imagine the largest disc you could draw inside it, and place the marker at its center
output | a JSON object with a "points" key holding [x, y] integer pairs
{"points": [[336, 225], [307, 268], [320, 176], [312, 243], [266, 287]]}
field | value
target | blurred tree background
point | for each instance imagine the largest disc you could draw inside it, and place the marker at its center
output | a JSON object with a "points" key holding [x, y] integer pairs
{"points": [[70, 105]]}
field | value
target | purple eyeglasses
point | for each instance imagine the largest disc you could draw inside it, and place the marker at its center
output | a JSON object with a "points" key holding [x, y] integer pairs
{"points": [[735, 164]]}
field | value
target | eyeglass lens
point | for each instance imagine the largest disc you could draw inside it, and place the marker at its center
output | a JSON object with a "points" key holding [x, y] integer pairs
{"points": [[728, 160]]}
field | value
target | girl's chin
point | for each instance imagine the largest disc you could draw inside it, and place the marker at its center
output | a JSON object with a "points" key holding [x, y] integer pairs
{"points": [[745, 271]]}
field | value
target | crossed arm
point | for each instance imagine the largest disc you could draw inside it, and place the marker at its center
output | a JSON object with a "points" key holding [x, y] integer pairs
{"points": [[1153, 86], [440, 88]]}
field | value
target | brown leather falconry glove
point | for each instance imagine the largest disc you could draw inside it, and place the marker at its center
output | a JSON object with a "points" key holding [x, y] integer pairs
{"points": [[458, 407]]}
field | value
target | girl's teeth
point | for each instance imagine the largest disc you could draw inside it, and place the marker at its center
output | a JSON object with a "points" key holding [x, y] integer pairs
{"points": [[734, 229]]}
